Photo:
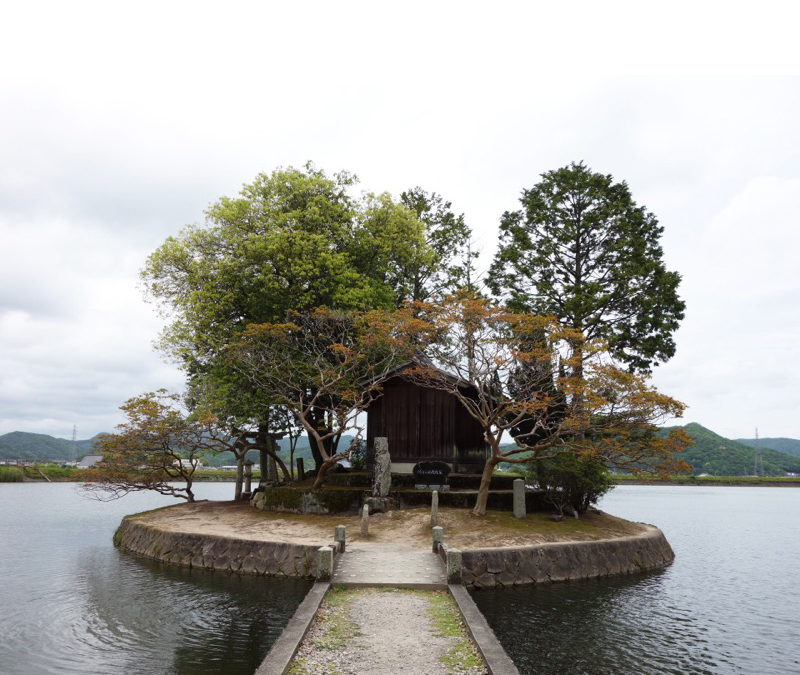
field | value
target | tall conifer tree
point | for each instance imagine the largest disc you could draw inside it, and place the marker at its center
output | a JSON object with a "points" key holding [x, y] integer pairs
{"points": [[582, 250]]}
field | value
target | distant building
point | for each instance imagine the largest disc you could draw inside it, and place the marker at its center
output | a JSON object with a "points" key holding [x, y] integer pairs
{"points": [[187, 463], [89, 460]]}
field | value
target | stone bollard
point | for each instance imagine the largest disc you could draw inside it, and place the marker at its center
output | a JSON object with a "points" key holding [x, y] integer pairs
{"points": [[325, 563], [435, 508], [248, 475], [519, 498], [453, 566], [339, 536], [438, 538], [365, 521]]}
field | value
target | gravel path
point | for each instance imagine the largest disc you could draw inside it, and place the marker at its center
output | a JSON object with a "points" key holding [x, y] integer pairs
{"points": [[377, 631]]}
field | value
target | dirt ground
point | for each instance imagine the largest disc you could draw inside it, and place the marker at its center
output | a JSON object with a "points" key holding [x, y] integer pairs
{"points": [[407, 526]]}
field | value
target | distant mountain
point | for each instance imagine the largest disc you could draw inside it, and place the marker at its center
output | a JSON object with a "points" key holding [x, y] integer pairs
{"points": [[791, 446], [37, 447], [302, 449], [719, 456], [25, 446]]}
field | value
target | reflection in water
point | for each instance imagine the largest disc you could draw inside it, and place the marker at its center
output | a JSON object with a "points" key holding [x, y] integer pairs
{"points": [[71, 603], [611, 626], [728, 604]]}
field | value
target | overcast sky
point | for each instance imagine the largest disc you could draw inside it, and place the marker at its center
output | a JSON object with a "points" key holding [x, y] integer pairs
{"points": [[121, 122]]}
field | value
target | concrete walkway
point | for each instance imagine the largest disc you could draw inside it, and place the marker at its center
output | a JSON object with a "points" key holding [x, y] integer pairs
{"points": [[367, 564]]}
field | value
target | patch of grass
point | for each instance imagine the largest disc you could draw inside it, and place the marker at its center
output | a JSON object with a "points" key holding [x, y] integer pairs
{"points": [[11, 474], [300, 667], [447, 623], [297, 667], [339, 627]]}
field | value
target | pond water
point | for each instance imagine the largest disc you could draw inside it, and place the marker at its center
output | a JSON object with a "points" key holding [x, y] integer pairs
{"points": [[71, 603], [730, 603]]}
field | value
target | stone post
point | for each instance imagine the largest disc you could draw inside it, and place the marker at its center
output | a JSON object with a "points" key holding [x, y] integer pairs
{"points": [[273, 470], [382, 468], [453, 566], [325, 563], [262, 465], [300, 468], [365, 521], [519, 498], [339, 536], [435, 508], [438, 538], [248, 475]]}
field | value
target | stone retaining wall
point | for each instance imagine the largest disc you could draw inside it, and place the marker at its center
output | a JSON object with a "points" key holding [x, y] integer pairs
{"points": [[490, 567], [218, 553]]}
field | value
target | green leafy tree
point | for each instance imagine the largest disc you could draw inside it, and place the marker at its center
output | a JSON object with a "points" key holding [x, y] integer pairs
{"points": [[447, 262], [580, 249], [294, 239]]}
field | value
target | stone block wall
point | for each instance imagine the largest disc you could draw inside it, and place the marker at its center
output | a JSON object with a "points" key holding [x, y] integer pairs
{"points": [[218, 553], [498, 567]]}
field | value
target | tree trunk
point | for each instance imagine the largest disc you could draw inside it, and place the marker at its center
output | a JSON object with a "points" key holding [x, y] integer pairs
{"points": [[262, 465], [286, 477], [237, 495], [323, 469], [483, 490]]}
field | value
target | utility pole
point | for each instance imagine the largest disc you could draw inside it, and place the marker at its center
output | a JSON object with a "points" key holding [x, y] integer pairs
{"points": [[74, 442], [758, 467]]}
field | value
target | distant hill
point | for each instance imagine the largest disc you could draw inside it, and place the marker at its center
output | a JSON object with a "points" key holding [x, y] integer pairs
{"points": [[791, 446], [302, 449], [719, 456], [38, 447], [25, 446]]}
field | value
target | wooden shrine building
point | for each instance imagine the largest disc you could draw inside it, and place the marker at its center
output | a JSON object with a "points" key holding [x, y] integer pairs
{"points": [[422, 424]]}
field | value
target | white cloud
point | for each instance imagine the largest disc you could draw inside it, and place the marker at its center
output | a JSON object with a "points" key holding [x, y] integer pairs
{"points": [[120, 123]]}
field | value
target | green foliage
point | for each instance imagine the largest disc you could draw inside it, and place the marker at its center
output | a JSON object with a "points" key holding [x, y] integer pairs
{"points": [[358, 456], [292, 240], [447, 264], [11, 474], [580, 249], [571, 480], [718, 456]]}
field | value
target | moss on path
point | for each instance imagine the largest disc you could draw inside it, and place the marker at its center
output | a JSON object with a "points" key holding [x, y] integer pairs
{"points": [[386, 630]]}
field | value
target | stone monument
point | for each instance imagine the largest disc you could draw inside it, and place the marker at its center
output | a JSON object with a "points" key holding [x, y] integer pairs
{"points": [[380, 502]]}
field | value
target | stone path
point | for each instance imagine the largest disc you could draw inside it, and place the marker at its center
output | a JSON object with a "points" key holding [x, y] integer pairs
{"points": [[365, 564], [375, 631]]}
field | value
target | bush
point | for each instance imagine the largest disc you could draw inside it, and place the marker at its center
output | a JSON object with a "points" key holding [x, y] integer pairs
{"points": [[358, 456], [11, 474], [569, 480]]}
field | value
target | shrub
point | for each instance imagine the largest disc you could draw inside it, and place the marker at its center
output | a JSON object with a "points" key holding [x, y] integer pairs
{"points": [[570, 480]]}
